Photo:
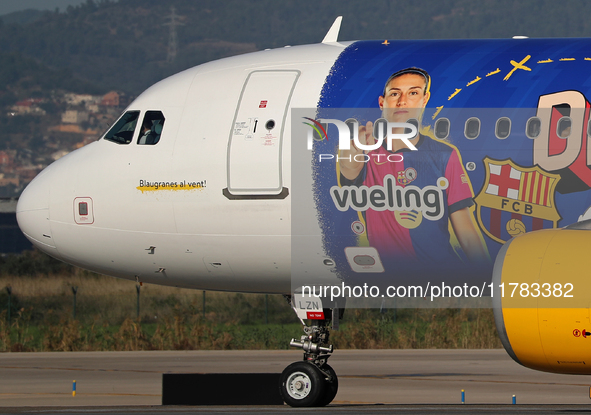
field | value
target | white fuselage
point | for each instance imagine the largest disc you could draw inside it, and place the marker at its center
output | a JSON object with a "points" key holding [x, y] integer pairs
{"points": [[194, 236]]}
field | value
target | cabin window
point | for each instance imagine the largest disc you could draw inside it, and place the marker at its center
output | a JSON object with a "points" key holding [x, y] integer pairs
{"points": [[414, 122], [533, 127], [122, 131], [442, 128], [380, 127], [563, 127], [151, 129], [472, 128], [351, 123], [503, 128]]}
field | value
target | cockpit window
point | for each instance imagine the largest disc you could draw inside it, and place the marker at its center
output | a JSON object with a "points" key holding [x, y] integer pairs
{"points": [[122, 131], [151, 128]]}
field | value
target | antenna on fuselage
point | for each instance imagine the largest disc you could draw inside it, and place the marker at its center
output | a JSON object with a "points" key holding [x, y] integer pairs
{"points": [[333, 33]]}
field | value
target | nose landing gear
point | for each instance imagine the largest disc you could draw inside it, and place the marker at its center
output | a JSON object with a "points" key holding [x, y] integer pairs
{"points": [[311, 382]]}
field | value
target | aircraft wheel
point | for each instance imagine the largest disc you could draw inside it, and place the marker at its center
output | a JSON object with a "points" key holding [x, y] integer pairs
{"points": [[332, 387], [302, 385]]}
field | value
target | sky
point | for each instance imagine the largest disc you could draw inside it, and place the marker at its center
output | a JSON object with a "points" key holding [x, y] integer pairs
{"points": [[9, 6]]}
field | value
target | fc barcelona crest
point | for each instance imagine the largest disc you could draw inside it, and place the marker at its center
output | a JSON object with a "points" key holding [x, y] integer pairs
{"points": [[515, 200]]}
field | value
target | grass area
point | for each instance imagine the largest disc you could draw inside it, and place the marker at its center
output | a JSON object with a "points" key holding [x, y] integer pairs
{"points": [[42, 317]]}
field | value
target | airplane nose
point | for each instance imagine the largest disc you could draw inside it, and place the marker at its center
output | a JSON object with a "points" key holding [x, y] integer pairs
{"points": [[32, 213]]}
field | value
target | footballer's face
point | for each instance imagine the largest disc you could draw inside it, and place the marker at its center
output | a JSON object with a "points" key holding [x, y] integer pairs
{"points": [[405, 98]]}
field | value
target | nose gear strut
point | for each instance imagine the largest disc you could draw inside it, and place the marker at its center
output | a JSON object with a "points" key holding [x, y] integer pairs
{"points": [[312, 343], [312, 382]]}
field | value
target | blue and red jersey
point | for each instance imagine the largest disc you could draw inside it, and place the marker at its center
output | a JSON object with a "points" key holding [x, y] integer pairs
{"points": [[427, 187]]}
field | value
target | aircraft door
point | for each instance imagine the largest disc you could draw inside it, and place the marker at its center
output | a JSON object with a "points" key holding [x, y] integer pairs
{"points": [[256, 139]]}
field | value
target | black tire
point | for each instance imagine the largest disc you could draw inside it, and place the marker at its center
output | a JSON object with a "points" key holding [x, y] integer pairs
{"points": [[332, 386], [302, 385]]}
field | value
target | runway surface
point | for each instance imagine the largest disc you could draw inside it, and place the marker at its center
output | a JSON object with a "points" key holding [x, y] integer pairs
{"points": [[370, 381], [333, 410]]}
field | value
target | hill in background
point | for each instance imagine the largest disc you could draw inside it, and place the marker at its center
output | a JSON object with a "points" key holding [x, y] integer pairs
{"points": [[59, 71], [125, 45]]}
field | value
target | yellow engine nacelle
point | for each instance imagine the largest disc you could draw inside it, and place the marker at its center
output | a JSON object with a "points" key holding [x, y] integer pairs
{"points": [[541, 299]]}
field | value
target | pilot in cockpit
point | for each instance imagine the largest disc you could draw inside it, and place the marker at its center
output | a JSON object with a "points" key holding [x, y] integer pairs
{"points": [[151, 129], [147, 135]]}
